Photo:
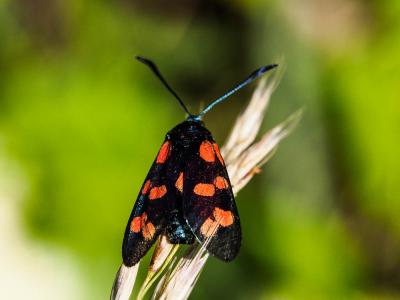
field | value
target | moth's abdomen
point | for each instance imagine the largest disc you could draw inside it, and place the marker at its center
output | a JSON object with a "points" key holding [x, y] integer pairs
{"points": [[178, 232]]}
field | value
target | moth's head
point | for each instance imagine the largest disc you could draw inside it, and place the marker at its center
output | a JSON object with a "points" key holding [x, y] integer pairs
{"points": [[195, 118], [189, 131]]}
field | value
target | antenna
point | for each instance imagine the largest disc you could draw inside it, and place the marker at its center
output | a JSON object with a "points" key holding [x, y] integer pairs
{"points": [[156, 71], [245, 82]]}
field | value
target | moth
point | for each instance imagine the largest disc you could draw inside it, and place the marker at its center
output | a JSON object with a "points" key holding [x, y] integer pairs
{"points": [[187, 194]]}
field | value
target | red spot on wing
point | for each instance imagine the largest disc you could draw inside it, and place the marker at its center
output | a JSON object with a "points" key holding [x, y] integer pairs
{"points": [[146, 187], [216, 149], [148, 231], [204, 189], [223, 217], [207, 152], [221, 183], [144, 217], [179, 182], [148, 228], [163, 153], [209, 228], [140, 224], [136, 224], [157, 192]]}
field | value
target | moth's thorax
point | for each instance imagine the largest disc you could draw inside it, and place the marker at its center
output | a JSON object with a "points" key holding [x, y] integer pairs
{"points": [[188, 132]]}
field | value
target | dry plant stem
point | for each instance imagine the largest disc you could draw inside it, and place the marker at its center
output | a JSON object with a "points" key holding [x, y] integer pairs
{"points": [[244, 159], [126, 276], [161, 252], [249, 163], [248, 123], [191, 264], [179, 283], [124, 282], [162, 256]]}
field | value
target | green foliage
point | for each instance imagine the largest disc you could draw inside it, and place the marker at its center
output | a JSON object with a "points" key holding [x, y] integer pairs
{"points": [[84, 121]]}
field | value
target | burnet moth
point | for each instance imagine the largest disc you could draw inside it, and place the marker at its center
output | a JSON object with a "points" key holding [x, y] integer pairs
{"points": [[187, 194]]}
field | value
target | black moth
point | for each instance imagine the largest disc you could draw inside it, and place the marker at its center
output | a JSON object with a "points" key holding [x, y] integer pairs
{"points": [[187, 194]]}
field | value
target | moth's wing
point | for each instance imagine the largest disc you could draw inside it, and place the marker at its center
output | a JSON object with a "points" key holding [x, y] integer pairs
{"points": [[208, 202], [149, 215]]}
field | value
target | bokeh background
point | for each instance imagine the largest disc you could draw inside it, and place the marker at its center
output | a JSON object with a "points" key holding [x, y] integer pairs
{"points": [[81, 122]]}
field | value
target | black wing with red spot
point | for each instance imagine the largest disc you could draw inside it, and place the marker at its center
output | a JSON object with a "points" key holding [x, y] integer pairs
{"points": [[186, 194], [208, 202], [148, 218]]}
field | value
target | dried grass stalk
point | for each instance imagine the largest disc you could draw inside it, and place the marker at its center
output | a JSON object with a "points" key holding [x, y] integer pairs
{"points": [[124, 282], [163, 253], [244, 158]]}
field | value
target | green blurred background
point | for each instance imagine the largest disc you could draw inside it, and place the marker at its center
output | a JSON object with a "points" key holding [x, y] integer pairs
{"points": [[81, 122]]}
